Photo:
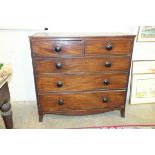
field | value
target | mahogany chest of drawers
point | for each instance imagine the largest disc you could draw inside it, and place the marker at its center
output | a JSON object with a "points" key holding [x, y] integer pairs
{"points": [[80, 74]]}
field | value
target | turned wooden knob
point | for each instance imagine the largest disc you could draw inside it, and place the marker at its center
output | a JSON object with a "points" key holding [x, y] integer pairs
{"points": [[59, 84], [58, 65], [108, 46], [105, 100], [57, 49], [108, 64], [106, 82], [61, 102]]}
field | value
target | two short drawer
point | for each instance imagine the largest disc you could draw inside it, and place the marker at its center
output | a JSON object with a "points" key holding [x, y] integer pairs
{"points": [[51, 48]]}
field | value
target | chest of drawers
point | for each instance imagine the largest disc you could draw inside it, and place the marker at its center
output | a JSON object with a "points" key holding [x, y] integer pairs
{"points": [[80, 74]]}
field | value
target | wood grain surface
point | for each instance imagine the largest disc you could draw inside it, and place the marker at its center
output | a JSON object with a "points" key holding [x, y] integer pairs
{"points": [[119, 47], [74, 65], [46, 48], [87, 100], [81, 82], [70, 71]]}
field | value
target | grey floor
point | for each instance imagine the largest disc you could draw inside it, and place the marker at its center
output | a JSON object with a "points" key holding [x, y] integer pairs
{"points": [[25, 117]]}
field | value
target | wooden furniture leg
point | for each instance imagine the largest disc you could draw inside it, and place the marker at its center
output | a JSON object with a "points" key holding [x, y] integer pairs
{"points": [[122, 111], [40, 117], [7, 115], [5, 106]]}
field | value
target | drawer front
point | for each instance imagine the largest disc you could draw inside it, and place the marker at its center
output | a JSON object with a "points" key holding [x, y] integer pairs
{"points": [[78, 101], [83, 82], [108, 47], [48, 48], [73, 65]]}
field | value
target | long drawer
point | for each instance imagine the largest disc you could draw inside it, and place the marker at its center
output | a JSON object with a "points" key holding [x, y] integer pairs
{"points": [[87, 100], [81, 82], [87, 64]]}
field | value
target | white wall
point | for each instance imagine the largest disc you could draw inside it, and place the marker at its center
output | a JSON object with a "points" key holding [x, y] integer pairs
{"points": [[15, 49]]}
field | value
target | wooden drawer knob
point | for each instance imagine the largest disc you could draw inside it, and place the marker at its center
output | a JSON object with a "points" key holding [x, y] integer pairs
{"points": [[106, 82], [61, 102], [57, 49], [58, 65], [105, 100], [59, 84], [108, 46], [108, 64]]}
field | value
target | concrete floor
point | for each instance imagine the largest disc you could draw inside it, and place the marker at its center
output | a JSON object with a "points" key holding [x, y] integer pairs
{"points": [[25, 117]]}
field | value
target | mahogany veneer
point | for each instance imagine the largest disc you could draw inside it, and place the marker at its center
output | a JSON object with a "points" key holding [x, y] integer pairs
{"points": [[81, 74]]}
